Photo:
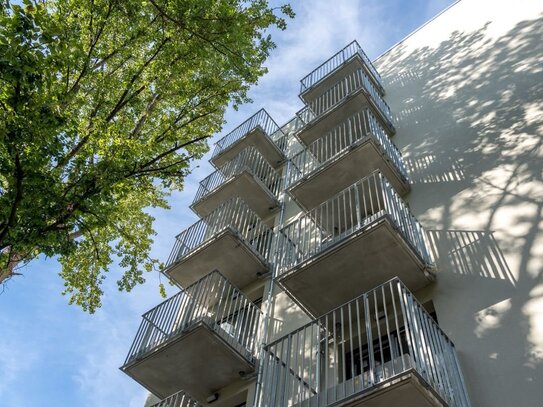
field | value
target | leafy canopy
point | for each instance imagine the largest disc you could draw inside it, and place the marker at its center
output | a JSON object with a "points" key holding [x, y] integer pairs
{"points": [[103, 105]]}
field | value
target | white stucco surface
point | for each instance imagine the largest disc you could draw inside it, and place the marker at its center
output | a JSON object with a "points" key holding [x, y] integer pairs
{"points": [[467, 94]]}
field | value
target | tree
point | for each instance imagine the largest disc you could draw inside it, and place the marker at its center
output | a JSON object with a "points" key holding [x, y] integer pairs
{"points": [[103, 105]]}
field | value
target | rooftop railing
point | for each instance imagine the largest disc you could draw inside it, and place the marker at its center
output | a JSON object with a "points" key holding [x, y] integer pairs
{"points": [[260, 120], [212, 301], [179, 399], [249, 159], [354, 209], [340, 139], [352, 83], [335, 62], [379, 336], [234, 214]]}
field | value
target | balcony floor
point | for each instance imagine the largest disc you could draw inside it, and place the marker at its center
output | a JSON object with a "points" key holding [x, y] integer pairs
{"points": [[330, 80], [407, 390], [352, 266], [226, 252], [200, 362], [352, 104], [245, 186], [256, 138], [350, 166]]}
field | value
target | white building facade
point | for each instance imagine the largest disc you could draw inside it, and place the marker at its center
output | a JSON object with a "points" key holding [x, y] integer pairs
{"points": [[382, 248]]}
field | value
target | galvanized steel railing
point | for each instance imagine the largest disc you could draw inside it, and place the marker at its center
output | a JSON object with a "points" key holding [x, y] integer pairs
{"points": [[260, 119], [337, 61], [233, 214], [249, 159], [357, 207], [368, 341], [339, 140], [179, 399], [212, 301], [337, 93]]}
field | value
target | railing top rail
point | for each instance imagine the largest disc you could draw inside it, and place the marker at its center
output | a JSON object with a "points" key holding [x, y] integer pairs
{"points": [[309, 213], [260, 119], [338, 92], [184, 291], [182, 397], [367, 293], [341, 56], [242, 154], [219, 209]]}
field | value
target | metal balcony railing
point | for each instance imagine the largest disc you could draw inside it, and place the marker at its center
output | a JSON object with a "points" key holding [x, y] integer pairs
{"points": [[352, 83], [249, 160], [377, 337], [212, 301], [339, 140], [233, 214], [335, 62], [357, 207], [179, 399], [260, 119]]}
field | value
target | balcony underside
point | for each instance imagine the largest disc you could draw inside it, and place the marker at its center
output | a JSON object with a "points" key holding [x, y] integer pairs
{"points": [[356, 264], [226, 252], [200, 361], [256, 138], [334, 77], [407, 390], [352, 104], [245, 186], [350, 166]]}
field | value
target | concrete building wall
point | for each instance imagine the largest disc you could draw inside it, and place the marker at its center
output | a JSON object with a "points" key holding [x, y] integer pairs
{"points": [[467, 94]]}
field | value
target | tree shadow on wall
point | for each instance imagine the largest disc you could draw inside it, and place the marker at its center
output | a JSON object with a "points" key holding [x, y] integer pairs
{"points": [[469, 115]]}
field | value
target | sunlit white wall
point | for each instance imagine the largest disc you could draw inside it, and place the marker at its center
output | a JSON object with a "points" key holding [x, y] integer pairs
{"points": [[467, 92]]}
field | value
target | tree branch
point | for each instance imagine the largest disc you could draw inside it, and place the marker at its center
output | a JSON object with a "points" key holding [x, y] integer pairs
{"points": [[18, 176]]}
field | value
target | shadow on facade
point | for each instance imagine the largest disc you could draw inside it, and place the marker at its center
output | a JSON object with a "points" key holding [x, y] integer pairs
{"points": [[469, 118], [470, 253]]}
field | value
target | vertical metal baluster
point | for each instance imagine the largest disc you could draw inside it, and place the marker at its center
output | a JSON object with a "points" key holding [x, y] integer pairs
{"points": [[397, 325], [371, 361], [389, 338]]}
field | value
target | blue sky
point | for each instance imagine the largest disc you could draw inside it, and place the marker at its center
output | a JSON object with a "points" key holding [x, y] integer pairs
{"points": [[55, 354]]}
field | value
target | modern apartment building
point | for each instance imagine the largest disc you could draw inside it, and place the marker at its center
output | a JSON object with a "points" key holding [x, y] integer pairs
{"points": [[382, 248]]}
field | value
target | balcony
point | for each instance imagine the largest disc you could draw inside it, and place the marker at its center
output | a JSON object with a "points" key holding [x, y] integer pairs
{"points": [[346, 61], [356, 240], [380, 349], [350, 151], [343, 99], [259, 131], [179, 399], [232, 239], [200, 340], [248, 176]]}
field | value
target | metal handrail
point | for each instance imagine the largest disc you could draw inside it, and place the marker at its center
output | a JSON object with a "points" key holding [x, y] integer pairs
{"points": [[179, 399], [233, 214], [358, 207], [357, 80], [335, 62], [260, 120], [361, 125], [213, 301], [249, 159], [371, 340]]}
